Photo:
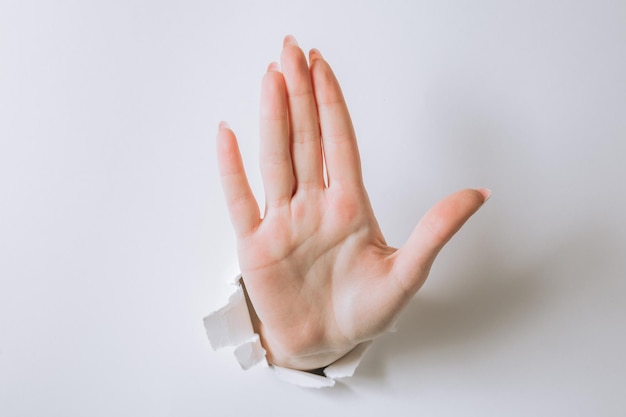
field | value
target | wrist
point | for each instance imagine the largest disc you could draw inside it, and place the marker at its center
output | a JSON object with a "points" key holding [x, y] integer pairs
{"points": [[237, 324], [307, 360]]}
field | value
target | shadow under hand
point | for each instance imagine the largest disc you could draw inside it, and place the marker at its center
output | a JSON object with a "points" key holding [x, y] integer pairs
{"points": [[493, 303]]}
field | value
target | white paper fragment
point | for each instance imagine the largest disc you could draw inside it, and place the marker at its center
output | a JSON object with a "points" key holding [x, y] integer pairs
{"points": [[346, 365], [250, 353], [342, 368], [303, 379], [231, 326]]}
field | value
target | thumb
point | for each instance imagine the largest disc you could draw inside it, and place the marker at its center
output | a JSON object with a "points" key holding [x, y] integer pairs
{"points": [[433, 231]]}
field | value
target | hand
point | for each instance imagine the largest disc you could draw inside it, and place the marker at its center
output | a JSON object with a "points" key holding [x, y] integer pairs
{"points": [[317, 270]]}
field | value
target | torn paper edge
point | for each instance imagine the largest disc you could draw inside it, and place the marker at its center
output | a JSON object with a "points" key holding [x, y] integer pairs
{"points": [[302, 378], [250, 353], [343, 367], [231, 326], [346, 365]]}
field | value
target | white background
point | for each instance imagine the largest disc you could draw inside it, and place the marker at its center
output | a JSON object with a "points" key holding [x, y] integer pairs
{"points": [[115, 242]]}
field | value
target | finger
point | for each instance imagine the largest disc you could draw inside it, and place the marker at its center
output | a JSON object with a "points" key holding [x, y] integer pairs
{"points": [[276, 166], [343, 164], [433, 231], [303, 122], [242, 206]]}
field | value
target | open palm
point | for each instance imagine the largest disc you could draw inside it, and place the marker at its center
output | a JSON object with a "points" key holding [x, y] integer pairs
{"points": [[318, 272]]}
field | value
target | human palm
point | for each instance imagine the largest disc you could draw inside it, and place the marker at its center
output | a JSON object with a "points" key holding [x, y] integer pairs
{"points": [[318, 273]]}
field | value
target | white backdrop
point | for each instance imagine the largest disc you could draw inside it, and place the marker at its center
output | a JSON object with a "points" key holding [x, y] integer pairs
{"points": [[115, 242]]}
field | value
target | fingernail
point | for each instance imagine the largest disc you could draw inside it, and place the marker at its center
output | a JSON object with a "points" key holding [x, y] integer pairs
{"points": [[290, 40], [486, 193], [273, 66], [314, 54], [223, 125]]}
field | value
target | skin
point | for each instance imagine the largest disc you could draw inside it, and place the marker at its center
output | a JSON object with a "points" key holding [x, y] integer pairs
{"points": [[319, 276]]}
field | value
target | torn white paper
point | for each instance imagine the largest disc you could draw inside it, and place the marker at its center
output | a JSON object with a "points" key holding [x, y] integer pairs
{"points": [[342, 368], [345, 366], [250, 353], [231, 326], [303, 379]]}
